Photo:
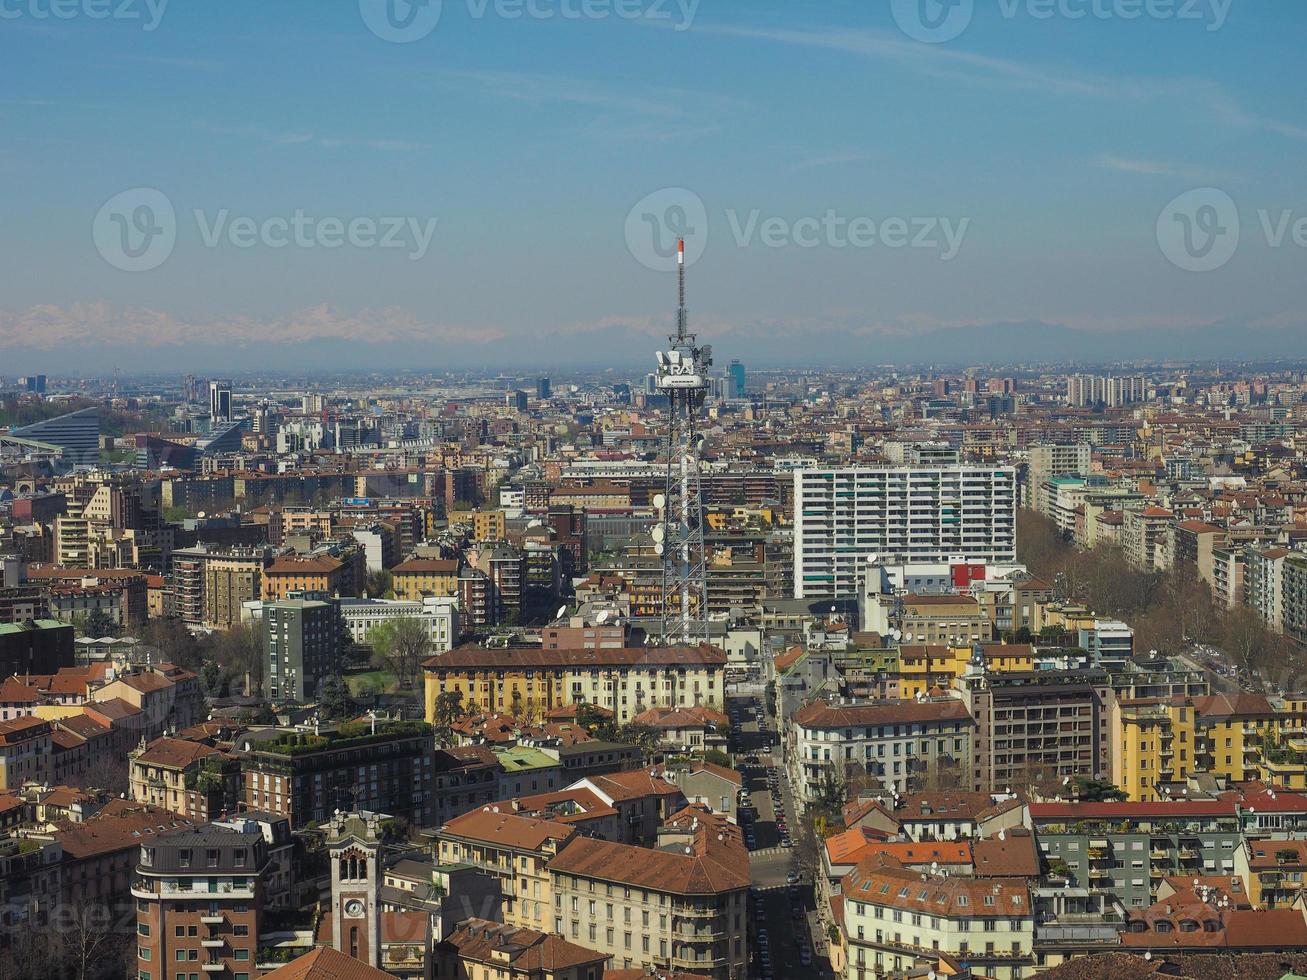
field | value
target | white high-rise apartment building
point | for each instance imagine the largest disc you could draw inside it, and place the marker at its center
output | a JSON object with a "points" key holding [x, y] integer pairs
{"points": [[918, 514], [1087, 389]]}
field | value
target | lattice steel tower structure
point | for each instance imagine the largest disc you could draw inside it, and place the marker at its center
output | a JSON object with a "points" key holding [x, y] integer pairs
{"points": [[678, 536]]}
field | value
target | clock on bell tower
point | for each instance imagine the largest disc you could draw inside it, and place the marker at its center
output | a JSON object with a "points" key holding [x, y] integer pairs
{"points": [[354, 848]]}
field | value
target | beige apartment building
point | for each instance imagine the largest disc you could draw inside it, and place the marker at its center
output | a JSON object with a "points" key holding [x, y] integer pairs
{"points": [[679, 907], [513, 848]]}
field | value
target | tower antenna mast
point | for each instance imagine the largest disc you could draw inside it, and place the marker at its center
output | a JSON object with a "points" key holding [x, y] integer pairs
{"points": [[678, 535]]}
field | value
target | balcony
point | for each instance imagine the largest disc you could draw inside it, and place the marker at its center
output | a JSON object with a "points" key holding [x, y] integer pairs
{"points": [[212, 920], [213, 943], [212, 968]]}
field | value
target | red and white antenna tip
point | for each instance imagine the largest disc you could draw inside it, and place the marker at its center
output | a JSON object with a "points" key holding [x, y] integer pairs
{"points": [[680, 249]]}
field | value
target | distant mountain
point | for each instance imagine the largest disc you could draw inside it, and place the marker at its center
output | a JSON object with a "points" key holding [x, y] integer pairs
{"points": [[629, 349]]}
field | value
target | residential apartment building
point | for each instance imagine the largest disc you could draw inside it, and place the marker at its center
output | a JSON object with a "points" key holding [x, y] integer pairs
{"points": [[481, 948], [231, 579], [1048, 460], [193, 779], [26, 753], [894, 917], [680, 907], [418, 577], [1125, 850], [307, 776], [1034, 729], [906, 745], [1159, 743], [200, 897], [626, 681], [1146, 538], [303, 639], [516, 850], [844, 516], [1263, 583], [1293, 594], [952, 620], [344, 575]]}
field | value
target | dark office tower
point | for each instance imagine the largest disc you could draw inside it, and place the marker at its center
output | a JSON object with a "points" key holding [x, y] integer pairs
{"points": [[544, 390], [516, 400], [736, 374], [33, 383], [220, 401]]}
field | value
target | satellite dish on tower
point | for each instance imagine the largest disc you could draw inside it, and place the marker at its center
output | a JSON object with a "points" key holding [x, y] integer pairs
{"points": [[658, 533], [659, 501], [561, 611]]}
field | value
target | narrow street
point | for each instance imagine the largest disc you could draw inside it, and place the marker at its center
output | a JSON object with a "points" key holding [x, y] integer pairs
{"points": [[785, 933]]}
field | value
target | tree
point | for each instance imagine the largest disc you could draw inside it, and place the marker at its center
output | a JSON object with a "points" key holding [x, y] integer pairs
{"points": [[239, 652], [832, 793], [87, 940], [174, 642], [380, 584], [589, 718], [447, 710], [645, 737], [400, 646], [334, 699], [96, 623], [1098, 790], [1243, 636]]}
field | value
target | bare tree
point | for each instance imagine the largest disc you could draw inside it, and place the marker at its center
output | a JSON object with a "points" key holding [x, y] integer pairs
{"points": [[87, 943], [401, 646]]}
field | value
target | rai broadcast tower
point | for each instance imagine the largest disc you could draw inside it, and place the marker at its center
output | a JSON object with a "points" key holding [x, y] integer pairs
{"points": [[678, 536]]}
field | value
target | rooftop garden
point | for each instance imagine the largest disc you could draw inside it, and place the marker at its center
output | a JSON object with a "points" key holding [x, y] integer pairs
{"points": [[348, 735]]}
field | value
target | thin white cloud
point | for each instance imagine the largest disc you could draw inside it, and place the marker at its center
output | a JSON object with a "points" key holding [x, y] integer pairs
{"points": [[932, 59], [951, 61], [649, 102], [1227, 109], [308, 138], [1155, 168], [837, 159]]}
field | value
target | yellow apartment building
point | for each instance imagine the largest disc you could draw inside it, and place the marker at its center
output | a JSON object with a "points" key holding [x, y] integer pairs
{"points": [[923, 667], [1164, 741], [418, 577], [530, 681]]}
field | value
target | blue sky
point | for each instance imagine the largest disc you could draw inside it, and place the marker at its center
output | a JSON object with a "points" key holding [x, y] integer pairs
{"points": [[1054, 143]]}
